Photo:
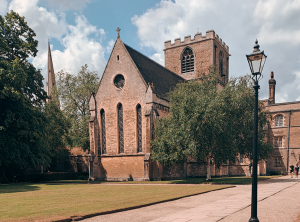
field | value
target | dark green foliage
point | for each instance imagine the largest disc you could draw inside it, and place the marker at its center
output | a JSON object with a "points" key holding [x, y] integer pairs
{"points": [[22, 122], [207, 123], [74, 92], [57, 128]]}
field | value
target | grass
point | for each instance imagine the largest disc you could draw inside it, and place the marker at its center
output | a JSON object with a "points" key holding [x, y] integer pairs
{"points": [[218, 180], [54, 201]]}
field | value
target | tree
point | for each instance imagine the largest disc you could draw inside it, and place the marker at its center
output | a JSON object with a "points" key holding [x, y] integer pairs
{"points": [[74, 92], [22, 122], [207, 124], [57, 127]]}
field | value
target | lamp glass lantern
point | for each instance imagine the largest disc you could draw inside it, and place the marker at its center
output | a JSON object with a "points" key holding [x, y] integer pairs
{"points": [[256, 61]]}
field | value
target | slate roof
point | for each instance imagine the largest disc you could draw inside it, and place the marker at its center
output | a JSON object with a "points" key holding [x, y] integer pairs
{"points": [[163, 79]]}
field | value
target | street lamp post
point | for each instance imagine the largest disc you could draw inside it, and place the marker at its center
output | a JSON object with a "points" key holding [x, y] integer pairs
{"points": [[256, 62]]}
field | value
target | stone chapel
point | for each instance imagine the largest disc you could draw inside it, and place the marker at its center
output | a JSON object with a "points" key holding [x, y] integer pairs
{"points": [[132, 94]]}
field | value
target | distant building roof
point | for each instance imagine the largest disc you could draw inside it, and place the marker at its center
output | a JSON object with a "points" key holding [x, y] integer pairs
{"points": [[163, 79]]}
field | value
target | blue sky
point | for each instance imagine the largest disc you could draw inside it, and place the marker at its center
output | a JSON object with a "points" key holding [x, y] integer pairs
{"points": [[83, 32]]}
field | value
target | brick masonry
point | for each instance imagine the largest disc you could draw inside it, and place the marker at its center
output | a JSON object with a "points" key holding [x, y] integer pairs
{"points": [[134, 165], [206, 50]]}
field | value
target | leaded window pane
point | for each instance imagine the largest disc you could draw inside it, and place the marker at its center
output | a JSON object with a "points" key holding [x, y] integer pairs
{"points": [[187, 61], [120, 126], [279, 142], [276, 142], [103, 132], [279, 120], [139, 128], [221, 64]]}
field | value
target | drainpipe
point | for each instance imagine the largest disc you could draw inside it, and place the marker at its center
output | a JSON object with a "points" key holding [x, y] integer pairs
{"points": [[288, 144]]}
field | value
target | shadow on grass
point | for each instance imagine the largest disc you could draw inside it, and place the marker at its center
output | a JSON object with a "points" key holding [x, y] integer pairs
{"points": [[221, 180], [17, 187], [215, 181]]}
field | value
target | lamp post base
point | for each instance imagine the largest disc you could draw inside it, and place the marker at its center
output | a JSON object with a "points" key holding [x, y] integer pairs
{"points": [[253, 220]]}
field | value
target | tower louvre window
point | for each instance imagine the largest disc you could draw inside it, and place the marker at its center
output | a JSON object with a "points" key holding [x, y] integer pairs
{"points": [[139, 127], [120, 128], [221, 64], [187, 61], [102, 114]]}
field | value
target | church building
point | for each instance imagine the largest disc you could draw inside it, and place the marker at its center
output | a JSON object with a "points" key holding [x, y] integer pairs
{"points": [[133, 93]]}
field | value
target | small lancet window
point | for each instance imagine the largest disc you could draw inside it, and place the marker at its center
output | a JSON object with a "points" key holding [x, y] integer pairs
{"points": [[139, 127], [120, 128], [102, 114], [187, 61], [118, 57], [279, 120], [221, 64]]}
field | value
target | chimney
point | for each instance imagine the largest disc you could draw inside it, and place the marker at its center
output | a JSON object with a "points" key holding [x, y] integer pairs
{"points": [[272, 83]]}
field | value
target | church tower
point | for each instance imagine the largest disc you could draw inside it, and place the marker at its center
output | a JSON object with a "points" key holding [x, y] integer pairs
{"points": [[50, 76], [191, 58]]}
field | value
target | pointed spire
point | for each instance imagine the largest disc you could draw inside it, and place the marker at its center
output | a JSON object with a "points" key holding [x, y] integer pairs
{"points": [[50, 75]]}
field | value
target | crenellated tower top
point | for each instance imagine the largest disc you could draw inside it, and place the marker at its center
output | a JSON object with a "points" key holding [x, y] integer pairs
{"points": [[197, 38]]}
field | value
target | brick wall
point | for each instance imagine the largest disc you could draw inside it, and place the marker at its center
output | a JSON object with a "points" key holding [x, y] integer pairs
{"points": [[206, 50]]}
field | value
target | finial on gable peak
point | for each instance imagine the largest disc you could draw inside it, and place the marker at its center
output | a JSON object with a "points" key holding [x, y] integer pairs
{"points": [[118, 31]]}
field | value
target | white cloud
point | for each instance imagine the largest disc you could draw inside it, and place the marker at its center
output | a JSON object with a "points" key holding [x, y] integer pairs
{"points": [[3, 7], [68, 4], [44, 23], [274, 22], [159, 58], [80, 49], [82, 42], [110, 46]]}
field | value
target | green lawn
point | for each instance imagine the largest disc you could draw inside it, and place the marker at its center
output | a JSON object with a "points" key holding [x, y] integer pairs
{"points": [[53, 201]]}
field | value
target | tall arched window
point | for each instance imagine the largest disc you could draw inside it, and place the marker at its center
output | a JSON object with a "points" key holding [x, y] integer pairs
{"points": [[187, 61], [102, 114], [279, 120], [221, 64], [120, 128], [139, 127]]}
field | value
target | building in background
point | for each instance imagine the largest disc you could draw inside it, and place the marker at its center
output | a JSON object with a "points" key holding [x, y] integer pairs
{"points": [[283, 132]]}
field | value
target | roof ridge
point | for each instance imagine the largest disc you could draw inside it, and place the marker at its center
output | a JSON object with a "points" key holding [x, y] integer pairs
{"points": [[154, 62]]}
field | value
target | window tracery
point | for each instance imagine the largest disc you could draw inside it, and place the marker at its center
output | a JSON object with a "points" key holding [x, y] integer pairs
{"points": [[221, 64], [102, 114], [187, 61], [120, 128], [139, 127]]}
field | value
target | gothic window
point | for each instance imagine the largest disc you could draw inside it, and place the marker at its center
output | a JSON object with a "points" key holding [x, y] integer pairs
{"points": [[221, 64], [277, 162], [139, 127], [278, 142], [102, 114], [279, 120], [187, 61], [120, 128]]}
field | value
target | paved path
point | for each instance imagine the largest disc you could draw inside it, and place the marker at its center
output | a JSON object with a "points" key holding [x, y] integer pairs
{"points": [[278, 201]]}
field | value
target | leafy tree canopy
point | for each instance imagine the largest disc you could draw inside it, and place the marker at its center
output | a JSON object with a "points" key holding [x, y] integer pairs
{"points": [[207, 123], [74, 92], [22, 122]]}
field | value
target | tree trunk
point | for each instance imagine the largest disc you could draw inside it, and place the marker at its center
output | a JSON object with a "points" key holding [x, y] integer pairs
{"points": [[208, 174]]}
